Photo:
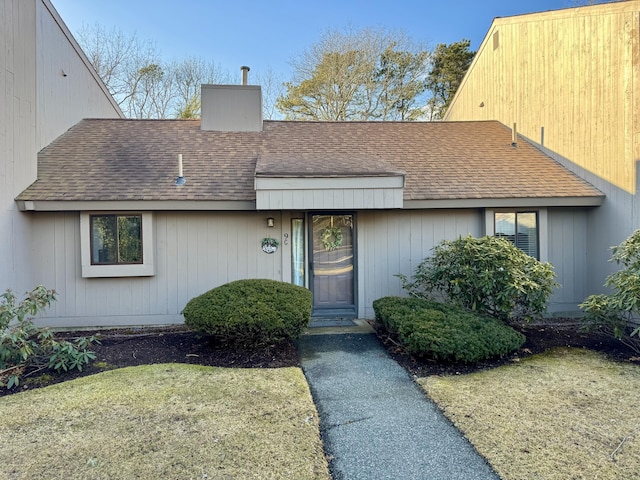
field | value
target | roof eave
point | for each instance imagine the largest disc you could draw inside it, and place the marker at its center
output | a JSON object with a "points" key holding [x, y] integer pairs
{"points": [[134, 205], [524, 202]]}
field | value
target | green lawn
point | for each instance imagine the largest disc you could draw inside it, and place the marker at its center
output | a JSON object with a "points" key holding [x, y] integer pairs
{"points": [[565, 414], [169, 421]]}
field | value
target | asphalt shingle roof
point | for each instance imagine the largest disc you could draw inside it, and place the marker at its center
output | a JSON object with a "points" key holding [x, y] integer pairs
{"points": [[118, 159]]}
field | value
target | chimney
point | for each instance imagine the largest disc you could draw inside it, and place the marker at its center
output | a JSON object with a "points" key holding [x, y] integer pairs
{"points": [[245, 74], [232, 108]]}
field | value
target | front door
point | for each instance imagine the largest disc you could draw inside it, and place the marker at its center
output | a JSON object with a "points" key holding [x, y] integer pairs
{"points": [[332, 265]]}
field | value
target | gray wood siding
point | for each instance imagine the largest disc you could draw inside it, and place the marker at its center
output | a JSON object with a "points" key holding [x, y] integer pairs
{"points": [[37, 104], [567, 247], [392, 242], [197, 251], [17, 136], [64, 100], [328, 199], [194, 253]]}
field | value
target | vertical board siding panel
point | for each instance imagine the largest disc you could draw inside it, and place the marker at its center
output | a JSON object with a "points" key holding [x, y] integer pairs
{"points": [[159, 294], [568, 254], [190, 256], [172, 278], [204, 256], [184, 229], [386, 249], [59, 264], [43, 244], [416, 250], [224, 256], [71, 255]]}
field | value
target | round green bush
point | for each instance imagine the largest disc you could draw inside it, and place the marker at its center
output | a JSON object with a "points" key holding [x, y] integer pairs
{"points": [[445, 332], [488, 275], [251, 312]]}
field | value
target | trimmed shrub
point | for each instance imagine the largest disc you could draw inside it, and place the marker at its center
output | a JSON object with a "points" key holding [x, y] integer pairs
{"points": [[488, 275], [618, 314], [251, 312], [445, 332]]}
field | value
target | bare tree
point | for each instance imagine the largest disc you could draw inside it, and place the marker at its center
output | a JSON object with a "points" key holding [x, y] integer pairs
{"points": [[126, 64], [188, 75], [141, 83], [272, 88]]}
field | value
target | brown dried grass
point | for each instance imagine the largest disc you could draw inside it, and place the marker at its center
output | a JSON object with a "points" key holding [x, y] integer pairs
{"points": [[566, 413], [165, 421]]}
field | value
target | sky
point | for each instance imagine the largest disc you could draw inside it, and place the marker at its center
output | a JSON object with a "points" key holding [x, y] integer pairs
{"points": [[269, 34]]}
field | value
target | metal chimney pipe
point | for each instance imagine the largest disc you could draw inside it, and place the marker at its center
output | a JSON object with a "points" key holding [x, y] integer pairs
{"points": [[514, 136], [245, 74]]}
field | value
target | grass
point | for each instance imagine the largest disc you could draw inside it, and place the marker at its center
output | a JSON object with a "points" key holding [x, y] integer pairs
{"points": [[165, 421], [567, 413]]}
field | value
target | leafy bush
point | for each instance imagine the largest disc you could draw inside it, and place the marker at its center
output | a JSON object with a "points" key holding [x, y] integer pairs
{"points": [[488, 275], [445, 332], [26, 349], [618, 314], [251, 312]]}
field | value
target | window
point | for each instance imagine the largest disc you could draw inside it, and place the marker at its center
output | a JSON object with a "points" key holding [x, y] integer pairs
{"points": [[116, 239], [297, 252], [520, 228], [116, 244]]}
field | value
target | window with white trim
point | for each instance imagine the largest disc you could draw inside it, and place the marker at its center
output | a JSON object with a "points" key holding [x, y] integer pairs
{"points": [[117, 244]]}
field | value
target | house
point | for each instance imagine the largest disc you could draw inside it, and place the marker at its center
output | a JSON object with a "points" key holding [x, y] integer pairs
{"points": [[46, 85], [570, 81], [130, 219], [125, 239]]}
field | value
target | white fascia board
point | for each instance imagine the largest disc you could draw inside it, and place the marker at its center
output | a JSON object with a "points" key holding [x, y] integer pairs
{"points": [[328, 183]]}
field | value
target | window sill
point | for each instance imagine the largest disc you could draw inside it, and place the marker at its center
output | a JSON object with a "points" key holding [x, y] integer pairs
{"points": [[144, 270]]}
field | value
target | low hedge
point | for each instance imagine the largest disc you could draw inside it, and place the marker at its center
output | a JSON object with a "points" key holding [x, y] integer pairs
{"points": [[445, 332], [251, 312]]}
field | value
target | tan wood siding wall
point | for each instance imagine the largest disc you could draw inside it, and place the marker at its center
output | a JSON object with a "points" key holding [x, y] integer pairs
{"points": [[576, 73]]}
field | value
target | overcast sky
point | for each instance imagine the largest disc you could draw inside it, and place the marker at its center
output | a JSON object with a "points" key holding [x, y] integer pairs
{"points": [[269, 33]]}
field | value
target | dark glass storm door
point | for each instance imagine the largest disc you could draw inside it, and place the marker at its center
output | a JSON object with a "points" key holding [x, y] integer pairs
{"points": [[332, 268]]}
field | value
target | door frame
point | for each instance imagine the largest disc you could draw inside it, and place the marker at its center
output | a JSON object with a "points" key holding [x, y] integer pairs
{"points": [[350, 311]]}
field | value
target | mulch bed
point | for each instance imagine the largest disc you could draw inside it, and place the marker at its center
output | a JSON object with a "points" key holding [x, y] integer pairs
{"points": [[541, 336], [131, 347]]}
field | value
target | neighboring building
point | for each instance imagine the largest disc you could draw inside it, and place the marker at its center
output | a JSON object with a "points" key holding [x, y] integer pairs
{"points": [[46, 86], [351, 204], [570, 81]]}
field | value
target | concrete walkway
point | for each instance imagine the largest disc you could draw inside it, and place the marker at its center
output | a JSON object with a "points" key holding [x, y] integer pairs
{"points": [[376, 422]]}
